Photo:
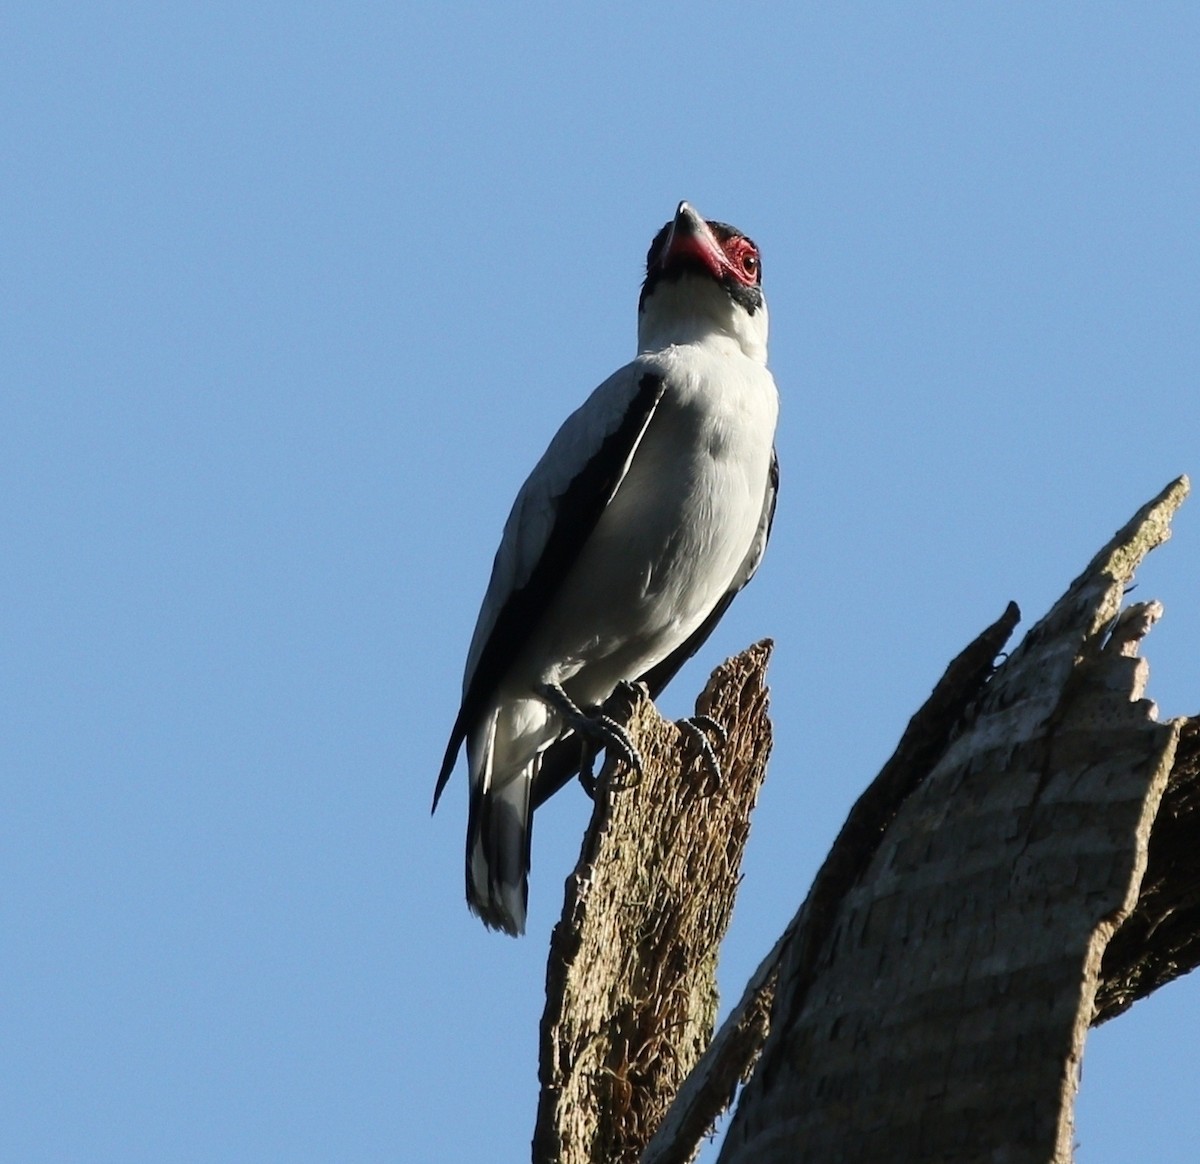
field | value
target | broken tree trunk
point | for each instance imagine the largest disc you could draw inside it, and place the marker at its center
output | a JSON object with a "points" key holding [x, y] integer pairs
{"points": [[631, 981], [1025, 866]]}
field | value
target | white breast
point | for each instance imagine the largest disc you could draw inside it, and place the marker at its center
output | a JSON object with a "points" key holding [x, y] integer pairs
{"points": [[676, 532]]}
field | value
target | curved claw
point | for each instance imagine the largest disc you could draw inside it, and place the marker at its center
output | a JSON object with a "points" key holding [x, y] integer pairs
{"points": [[598, 728], [696, 729], [711, 727]]}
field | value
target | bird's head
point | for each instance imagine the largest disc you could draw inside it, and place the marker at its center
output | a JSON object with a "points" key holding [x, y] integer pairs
{"points": [[703, 279]]}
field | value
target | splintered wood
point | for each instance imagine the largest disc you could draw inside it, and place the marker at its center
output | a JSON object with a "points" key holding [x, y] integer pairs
{"points": [[631, 980]]}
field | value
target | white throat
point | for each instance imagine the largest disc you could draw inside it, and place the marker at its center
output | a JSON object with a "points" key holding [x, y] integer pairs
{"points": [[694, 309]]}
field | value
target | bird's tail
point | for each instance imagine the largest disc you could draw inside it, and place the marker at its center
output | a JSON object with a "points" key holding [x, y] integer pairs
{"points": [[498, 835]]}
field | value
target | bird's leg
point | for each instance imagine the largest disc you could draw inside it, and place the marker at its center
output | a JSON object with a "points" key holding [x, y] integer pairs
{"points": [[599, 729], [698, 728], [587, 767]]}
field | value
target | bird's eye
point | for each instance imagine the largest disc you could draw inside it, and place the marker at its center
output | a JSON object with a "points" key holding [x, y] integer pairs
{"points": [[746, 263]]}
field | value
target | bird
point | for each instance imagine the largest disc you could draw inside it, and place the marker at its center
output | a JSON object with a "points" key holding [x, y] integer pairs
{"points": [[648, 512]]}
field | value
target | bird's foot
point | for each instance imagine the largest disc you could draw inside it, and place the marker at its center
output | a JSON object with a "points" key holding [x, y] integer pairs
{"points": [[699, 729], [597, 728]]}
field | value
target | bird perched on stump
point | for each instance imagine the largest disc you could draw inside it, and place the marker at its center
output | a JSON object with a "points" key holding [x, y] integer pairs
{"points": [[648, 512]]}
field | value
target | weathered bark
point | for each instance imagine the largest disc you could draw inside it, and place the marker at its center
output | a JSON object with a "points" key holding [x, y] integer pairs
{"points": [[943, 1013], [631, 980], [1025, 865]]}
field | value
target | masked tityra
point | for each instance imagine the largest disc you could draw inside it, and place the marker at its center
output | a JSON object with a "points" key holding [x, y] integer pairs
{"points": [[649, 511]]}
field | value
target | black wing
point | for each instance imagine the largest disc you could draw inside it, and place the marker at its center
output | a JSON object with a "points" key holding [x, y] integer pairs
{"points": [[576, 510], [562, 760]]}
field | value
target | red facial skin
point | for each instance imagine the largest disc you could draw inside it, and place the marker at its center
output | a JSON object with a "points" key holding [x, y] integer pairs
{"points": [[736, 256], [742, 257]]}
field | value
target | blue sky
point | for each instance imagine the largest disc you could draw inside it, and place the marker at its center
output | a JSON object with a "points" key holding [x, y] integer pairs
{"points": [[294, 296]]}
